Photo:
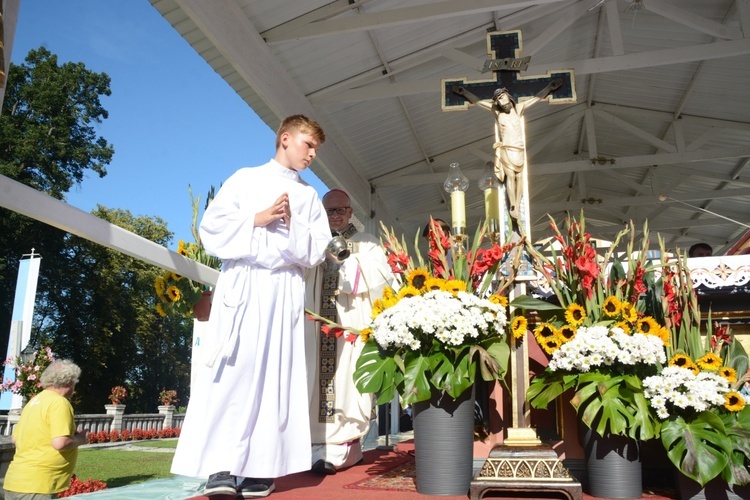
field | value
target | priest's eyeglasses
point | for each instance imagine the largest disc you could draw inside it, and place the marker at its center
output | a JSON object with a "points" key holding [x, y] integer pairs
{"points": [[337, 211]]}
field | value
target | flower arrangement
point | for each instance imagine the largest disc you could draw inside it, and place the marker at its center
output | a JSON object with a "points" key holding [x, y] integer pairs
{"points": [[705, 419], [627, 339], [118, 395], [600, 342], [443, 322], [178, 294], [27, 382], [168, 398]]}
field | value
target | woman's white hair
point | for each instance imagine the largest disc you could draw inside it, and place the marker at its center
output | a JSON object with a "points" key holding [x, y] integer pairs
{"points": [[60, 373]]}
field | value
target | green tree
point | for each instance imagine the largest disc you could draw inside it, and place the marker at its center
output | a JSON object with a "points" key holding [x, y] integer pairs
{"points": [[48, 142], [94, 305], [101, 313]]}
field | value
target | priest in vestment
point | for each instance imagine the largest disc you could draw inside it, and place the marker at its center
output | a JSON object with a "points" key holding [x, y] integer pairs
{"points": [[343, 292]]}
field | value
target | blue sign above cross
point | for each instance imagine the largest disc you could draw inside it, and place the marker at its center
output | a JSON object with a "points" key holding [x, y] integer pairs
{"points": [[505, 47]]}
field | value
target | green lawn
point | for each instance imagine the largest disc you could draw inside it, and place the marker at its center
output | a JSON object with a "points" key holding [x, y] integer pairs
{"points": [[120, 467], [156, 443]]}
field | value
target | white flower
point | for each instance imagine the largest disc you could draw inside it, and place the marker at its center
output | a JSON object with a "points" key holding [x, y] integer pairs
{"points": [[452, 320], [597, 345], [678, 387]]}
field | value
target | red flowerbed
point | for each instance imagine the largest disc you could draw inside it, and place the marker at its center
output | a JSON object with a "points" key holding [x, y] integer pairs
{"points": [[77, 487], [134, 435]]}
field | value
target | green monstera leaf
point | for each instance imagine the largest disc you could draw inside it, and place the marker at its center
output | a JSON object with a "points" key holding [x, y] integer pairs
{"points": [[737, 426], [615, 404], [545, 387], [377, 373], [698, 446], [416, 385]]}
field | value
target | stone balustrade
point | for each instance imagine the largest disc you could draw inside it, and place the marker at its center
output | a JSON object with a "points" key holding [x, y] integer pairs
{"points": [[117, 420]]}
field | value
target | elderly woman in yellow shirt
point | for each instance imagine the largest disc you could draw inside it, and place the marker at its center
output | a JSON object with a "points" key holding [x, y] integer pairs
{"points": [[46, 439]]}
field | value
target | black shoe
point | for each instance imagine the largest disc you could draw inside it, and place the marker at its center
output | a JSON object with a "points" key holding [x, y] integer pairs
{"points": [[255, 488], [323, 468], [221, 483]]}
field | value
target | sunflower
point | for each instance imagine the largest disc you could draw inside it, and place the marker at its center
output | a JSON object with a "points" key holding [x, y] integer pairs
{"points": [[377, 307], [733, 401], [728, 373], [566, 333], [647, 326], [434, 283], [550, 345], [575, 314], [174, 293], [364, 334], [182, 248], [418, 278], [455, 286], [390, 302], [160, 310], [628, 312], [710, 362], [611, 306], [498, 299], [388, 293], [545, 332], [408, 291], [680, 360], [160, 285], [684, 361], [519, 326], [625, 326], [664, 335]]}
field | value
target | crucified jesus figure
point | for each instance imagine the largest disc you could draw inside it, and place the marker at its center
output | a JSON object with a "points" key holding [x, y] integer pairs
{"points": [[510, 140]]}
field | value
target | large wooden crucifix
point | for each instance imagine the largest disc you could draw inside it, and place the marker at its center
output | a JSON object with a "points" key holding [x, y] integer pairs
{"points": [[507, 94]]}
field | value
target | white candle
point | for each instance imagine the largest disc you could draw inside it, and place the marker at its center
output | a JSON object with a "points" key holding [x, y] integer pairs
{"points": [[491, 206], [458, 209]]}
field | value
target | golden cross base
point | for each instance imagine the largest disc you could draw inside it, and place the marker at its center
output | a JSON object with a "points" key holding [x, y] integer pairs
{"points": [[521, 436], [525, 469]]}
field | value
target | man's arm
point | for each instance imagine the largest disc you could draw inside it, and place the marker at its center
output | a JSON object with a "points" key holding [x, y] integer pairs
{"points": [[472, 98], [551, 87], [542, 94]]}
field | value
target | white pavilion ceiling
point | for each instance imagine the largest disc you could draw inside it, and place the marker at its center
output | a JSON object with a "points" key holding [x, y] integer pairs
{"points": [[660, 89]]}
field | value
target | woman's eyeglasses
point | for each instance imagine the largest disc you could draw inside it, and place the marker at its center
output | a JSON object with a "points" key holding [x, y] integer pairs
{"points": [[337, 211]]}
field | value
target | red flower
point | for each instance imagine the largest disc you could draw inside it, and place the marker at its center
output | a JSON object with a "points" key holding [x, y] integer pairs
{"points": [[639, 286], [77, 486], [720, 335], [328, 330], [397, 262]]}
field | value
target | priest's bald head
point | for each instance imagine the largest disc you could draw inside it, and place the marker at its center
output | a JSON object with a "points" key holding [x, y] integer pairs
{"points": [[338, 208]]}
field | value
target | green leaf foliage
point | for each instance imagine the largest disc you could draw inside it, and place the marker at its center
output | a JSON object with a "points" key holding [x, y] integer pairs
{"points": [[374, 371], [737, 426], [698, 446]]}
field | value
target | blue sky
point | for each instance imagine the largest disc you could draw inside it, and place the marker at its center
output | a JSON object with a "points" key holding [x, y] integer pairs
{"points": [[172, 120]]}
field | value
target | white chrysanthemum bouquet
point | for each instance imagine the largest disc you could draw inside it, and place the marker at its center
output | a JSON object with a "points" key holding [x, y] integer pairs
{"points": [[600, 346], [451, 320], [678, 389]]}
